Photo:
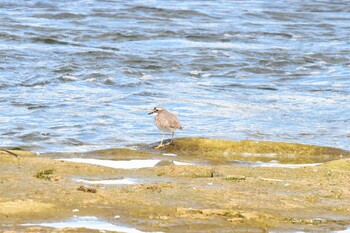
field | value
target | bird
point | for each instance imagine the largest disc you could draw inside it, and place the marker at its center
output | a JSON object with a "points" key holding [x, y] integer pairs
{"points": [[166, 122]]}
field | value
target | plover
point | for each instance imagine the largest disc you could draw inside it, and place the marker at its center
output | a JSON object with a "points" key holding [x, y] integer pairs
{"points": [[166, 122]]}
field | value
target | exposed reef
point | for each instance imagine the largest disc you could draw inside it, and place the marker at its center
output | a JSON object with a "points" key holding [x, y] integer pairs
{"points": [[214, 193]]}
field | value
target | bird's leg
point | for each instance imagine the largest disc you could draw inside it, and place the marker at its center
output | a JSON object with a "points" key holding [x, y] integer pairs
{"points": [[172, 139], [161, 142]]}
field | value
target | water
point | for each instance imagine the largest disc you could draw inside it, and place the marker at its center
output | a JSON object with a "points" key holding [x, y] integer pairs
{"points": [[123, 164], [82, 75], [344, 231], [275, 163], [88, 222], [124, 181]]}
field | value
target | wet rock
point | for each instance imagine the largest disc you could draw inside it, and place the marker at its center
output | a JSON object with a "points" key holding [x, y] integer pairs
{"points": [[46, 174], [261, 199], [154, 188], [229, 215], [314, 221], [225, 149], [121, 153], [87, 189], [165, 163], [163, 217], [234, 178]]}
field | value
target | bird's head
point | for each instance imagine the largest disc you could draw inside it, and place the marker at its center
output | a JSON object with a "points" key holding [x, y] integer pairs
{"points": [[157, 110]]}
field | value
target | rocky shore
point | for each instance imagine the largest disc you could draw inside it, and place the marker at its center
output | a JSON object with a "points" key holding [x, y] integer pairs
{"points": [[197, 185]]}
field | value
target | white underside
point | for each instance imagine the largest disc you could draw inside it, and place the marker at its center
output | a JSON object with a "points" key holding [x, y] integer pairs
{"points": [[167, 130]]}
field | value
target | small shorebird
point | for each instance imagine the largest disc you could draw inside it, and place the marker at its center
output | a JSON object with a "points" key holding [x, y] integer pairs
{"points": [[166, 122]]}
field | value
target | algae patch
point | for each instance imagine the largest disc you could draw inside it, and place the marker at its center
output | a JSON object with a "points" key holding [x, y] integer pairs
{"points": [[46, 174], [248, 150], [339, 165]]}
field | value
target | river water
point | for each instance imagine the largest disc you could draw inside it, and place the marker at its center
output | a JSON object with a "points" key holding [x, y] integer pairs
{"points": [[82, 75]]}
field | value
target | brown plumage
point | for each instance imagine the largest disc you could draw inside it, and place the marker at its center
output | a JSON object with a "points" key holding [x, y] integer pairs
{"points": [[166, 122]]}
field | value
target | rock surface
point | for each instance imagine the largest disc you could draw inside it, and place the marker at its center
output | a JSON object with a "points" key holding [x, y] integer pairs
{"points": [[212, 195]]}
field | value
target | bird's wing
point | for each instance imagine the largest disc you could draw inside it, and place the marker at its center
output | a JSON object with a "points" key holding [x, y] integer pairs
{"points": [[169, 120]]}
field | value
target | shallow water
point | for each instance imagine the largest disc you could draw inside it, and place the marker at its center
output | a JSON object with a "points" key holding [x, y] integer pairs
{"points": [[122, 164], [124, 181], [344, 231], [88, 222], [82, 75], [274, 163]]}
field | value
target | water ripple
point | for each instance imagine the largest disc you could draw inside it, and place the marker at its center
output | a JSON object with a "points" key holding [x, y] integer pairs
{"points": [[84, 74]]}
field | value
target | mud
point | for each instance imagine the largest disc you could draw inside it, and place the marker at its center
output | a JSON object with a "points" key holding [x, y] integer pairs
{"points": [[212, 195]]}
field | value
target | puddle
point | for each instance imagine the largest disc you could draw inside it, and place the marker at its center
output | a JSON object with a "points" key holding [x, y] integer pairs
{"points": [[122, 164], [344, 231], [170, 154], [274, 163], [271, 179], [111, 182], [88, 222]]}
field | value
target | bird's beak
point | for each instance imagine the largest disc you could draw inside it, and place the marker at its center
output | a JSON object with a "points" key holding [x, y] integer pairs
{"points": [[152, 112]]}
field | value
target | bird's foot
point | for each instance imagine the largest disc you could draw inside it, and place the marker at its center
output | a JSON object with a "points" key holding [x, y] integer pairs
{"points": [[159, 146], [170, 143]]}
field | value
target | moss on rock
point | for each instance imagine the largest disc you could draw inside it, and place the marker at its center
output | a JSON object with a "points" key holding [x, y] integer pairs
{"points": [[248, 146], [122, 153], [338, 165], [254, 150]]}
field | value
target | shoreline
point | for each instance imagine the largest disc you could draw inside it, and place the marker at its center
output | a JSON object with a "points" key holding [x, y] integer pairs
{"points": [[211, 194]]}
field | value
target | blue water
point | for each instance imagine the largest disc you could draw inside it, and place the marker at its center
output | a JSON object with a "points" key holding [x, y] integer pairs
{"points": [[83, 75]]}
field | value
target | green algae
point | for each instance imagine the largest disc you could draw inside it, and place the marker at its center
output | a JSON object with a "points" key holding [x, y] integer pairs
{"points": [[254, 150], [338, 165], [254, 147], [121, 153], [46, 174]]}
